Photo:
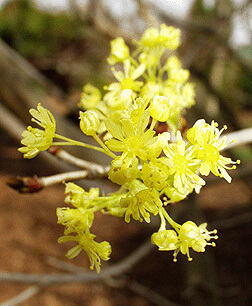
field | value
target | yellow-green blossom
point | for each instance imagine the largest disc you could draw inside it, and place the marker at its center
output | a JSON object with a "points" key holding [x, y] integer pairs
{"points": [[78, 197], [124, 169], [95, 251], [167, 37], [157, 144], [159, 108], [166, 240], [36, 140], [206, 140], [196, 237], [119, 51], [90, 97], [89, 122], [127, 86], [183, 165], [75, 220], [186, 236], [141, 204], [155, 174], [130, 138]]}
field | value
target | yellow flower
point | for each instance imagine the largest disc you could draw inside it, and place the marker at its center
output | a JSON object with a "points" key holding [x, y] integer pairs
{"points": [[89, 122], [140, 204], [90, 97], [187, 236], [123, 169], [95, 251], [192, 236], [167, 37], [130, 138], [126, 87], [166, 240], [206, 140], [75, 220], [155, 174], [183, 165], [159, 108], [79, 197], [119, 51], [36, 140]]}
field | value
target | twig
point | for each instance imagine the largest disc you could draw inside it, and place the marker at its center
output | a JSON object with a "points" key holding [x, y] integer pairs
{"points": [[97, 170], [66, 266], [22, 297], [241, 137], [49, 279], [151, 295], [35, 184]]}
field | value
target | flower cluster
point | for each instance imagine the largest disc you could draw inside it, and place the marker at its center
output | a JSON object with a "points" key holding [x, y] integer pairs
{"points": [[150, 169]]}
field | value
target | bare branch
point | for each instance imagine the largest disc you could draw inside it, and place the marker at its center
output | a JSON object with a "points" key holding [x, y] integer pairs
{"points": [[241, 137], [97, 170], [50, 279], [151, 295], [35, 184], [22, 297]]}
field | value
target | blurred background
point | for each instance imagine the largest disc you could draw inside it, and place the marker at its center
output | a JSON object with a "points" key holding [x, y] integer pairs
{"points": [[48, 51]]}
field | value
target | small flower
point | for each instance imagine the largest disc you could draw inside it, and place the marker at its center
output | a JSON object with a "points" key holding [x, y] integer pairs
{"points": [[157, 144], [90, 97], [166, 240], [155, 175], [129, 138], [159, 108], [36, 140], [183, 165], [207, 144], [140, 204], [196, 237], [119, 51], [127, 85], [75, 220], [89, 122], [123, 169], [95, 251], [79, 197], [167, 37], [174, 195], [187, 236]]}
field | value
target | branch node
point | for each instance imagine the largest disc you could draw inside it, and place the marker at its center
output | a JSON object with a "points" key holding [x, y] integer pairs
{"points": [[25, 184]]}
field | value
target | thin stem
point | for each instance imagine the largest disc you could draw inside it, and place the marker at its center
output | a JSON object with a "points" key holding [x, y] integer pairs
{"points": [[163, 223], [96, 137], [78, 143], [174, 224]]}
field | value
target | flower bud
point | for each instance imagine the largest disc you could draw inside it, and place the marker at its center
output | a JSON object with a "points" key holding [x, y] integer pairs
{"points": [[89, 122]]}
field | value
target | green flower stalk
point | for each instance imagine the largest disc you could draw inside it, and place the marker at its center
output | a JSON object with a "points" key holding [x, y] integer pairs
{"points": [[152, 169]]}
